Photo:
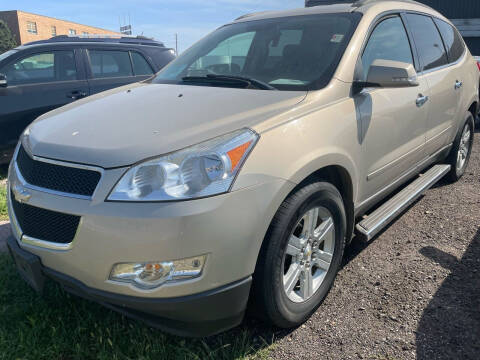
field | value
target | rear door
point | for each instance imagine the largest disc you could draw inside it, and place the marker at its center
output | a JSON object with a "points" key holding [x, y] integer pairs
{"points": [[38, 81], [109, 68], [442, 78]]}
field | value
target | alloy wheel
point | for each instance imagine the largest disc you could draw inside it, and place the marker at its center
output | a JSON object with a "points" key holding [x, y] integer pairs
{"points": [[309, 254], [464, 148]]}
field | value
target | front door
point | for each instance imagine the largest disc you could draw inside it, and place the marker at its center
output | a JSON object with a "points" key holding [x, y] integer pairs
{"points": [[36, 84], [393, 122]]}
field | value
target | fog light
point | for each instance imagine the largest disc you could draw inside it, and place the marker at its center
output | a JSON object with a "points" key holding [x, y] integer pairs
{"points": [[150, 275]]}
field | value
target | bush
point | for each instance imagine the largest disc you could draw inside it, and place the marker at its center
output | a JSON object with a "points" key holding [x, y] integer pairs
{"points": [[7, 41]]}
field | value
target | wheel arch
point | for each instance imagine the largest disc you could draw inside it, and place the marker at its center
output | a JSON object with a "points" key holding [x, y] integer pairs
{"points": [[340, 177], [473, 109], [338, 171]]}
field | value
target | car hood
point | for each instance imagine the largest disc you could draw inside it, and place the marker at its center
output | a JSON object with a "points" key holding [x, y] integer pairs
{"points": [[123, 126]]}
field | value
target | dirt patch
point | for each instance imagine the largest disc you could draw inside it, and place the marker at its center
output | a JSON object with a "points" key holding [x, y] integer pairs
{"points": [[412, 292]]}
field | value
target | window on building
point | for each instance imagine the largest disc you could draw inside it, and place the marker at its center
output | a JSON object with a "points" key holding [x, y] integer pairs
{"points": [[54, 30], [140, 65], [107, 63], [452, 39], [72, 32], [428, 41], [389, 41], [84, 33], [42, 68], [32, 27]]}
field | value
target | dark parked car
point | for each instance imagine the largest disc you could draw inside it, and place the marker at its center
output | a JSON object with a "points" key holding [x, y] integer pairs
{"points": [[41, 76]]}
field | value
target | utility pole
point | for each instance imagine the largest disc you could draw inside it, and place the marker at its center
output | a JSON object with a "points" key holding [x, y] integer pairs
{"points": [[176, 44]]}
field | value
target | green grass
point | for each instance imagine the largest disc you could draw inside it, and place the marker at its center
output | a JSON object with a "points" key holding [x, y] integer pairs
{"points": [[57, 325], [3, 194]]}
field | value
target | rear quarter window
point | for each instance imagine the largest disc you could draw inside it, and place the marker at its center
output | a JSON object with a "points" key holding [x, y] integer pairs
{"points": [[160, 56], [140, 64]]}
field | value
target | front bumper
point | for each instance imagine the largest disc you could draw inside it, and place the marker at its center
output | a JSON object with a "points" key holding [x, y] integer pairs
{"points": [[228, 229], [198, 315]]}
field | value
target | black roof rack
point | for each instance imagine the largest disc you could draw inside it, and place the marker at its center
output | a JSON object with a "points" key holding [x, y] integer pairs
{"points": [[310, 3], [355, 3], [140, 40]]}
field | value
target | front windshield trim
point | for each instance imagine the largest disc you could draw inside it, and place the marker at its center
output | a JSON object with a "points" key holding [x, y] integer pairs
{"points": [[7, 53], [182, 66]]}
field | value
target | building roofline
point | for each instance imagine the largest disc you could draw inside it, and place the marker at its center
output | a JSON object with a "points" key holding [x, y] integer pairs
{"points": [[57, 19]]}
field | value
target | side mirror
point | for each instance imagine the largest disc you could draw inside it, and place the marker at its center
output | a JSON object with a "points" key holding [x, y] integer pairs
{"points": [[390, 74], [3, 80]]}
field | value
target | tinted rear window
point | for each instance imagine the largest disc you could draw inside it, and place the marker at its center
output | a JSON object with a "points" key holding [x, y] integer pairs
{"points": [[452, 40], [428, 42], [106, 63]]}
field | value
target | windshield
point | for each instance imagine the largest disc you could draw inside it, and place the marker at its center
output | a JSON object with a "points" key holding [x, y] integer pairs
{"points": [[288, 53], [7, 54]]}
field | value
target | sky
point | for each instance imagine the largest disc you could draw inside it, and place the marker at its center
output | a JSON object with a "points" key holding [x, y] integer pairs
{"points": [[161, 19]]}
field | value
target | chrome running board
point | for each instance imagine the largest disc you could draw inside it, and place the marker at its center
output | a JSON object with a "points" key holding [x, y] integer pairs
{"points": [[376, 221]]}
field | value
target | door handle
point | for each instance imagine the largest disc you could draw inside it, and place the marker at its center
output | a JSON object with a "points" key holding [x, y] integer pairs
{"points": [[75, 95], [421, 100], [458, 84]]}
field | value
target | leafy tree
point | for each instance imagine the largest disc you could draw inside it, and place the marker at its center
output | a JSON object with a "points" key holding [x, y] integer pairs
{"points": [[7, 41]]}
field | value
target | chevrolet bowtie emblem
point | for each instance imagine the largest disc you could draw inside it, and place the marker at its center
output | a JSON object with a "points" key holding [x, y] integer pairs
{"points": [[21, 194]]}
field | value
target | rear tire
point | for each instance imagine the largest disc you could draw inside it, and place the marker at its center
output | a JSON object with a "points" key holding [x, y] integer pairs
{"points": [[301, 255], [459, 156]]}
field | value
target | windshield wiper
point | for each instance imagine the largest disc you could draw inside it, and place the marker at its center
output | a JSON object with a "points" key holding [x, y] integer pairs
{"points": [[249, 82]]}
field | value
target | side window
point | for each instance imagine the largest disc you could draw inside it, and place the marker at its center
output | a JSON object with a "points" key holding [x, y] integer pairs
{"points": [[427, 41], [389, 41], [43, 67], [140, 65], [106, 63], [228, 57], [452, 39]]}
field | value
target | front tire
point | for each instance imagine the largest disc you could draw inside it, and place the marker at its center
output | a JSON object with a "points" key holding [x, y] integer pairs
{"points": [[301, 255], [462, 149]]}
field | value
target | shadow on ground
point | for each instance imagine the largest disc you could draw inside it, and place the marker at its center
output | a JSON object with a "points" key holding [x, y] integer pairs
{"points": [[455, 307], [4, 233]]}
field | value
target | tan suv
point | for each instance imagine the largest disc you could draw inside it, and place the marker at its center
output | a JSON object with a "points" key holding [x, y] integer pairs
{"points": [[241, 169]]}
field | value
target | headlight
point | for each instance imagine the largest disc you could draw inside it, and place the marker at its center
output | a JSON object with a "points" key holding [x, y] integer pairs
{"points": [[151, 275], [202, 170]]}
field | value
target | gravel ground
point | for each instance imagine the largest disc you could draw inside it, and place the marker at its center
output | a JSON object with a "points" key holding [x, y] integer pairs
{"points": [[413, 292]]}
